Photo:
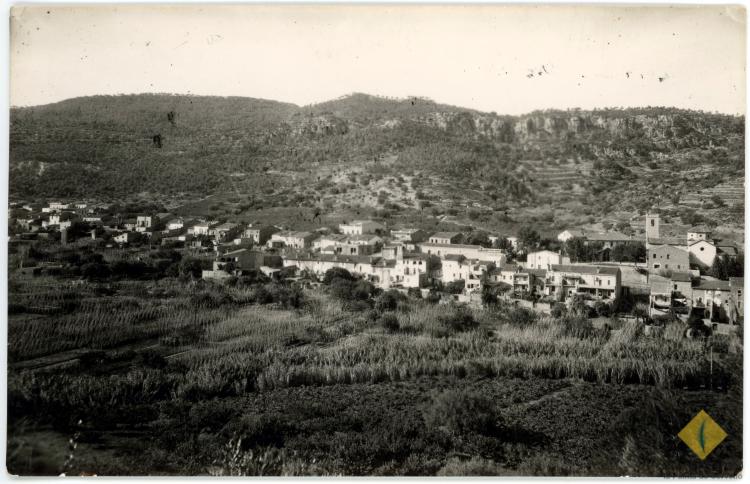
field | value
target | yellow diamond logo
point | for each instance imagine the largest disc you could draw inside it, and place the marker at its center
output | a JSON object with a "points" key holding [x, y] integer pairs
{"points": [[702, 435]]}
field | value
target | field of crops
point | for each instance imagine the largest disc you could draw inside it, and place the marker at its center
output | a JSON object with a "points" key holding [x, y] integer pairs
{"points": [[210, 381]]}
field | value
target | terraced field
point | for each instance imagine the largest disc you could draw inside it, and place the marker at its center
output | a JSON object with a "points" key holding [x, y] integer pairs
{"points": [[731, 192]]}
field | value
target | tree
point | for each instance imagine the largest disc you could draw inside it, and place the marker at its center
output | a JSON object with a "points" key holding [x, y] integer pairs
{"points": [[725, 266], [455, 287], [337, 273], [641, 312], [579, 307], [489, 298], [434, 263], [479, 237], [630, 252], [528, 238], [502, 243], [624, 227], [388, 301], [576, 249], [95, 270], [190, 267]]}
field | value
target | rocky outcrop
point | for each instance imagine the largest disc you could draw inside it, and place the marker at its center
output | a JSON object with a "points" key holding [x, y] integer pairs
{"points": [[658, 128], [320, 125]]}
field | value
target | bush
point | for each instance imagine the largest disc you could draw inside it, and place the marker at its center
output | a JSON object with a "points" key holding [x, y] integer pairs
{"points": [[151, 359], [261, 295], [335, 273], [521, 317], [455, 287], [461, 412], [388, 301], [290, 297], [459, 319], [602, 309], [389, 322], [557, 310]]}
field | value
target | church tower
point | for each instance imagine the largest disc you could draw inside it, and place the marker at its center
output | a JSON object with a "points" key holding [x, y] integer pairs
{"points": [[652, 226]]}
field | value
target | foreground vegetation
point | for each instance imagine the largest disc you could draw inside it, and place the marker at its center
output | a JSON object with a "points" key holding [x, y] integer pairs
{"points": [[177, 376]]}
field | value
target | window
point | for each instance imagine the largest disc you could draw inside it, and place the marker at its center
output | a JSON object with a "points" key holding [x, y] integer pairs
{"points": [[666, 266], [667, 256], [652, 222], [654, 256], [702, 249], [675, 287]]}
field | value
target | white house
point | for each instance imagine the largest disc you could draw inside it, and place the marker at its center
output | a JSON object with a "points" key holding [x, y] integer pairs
{"points": [[178, 223], [564, 281], [568, 234], [497, 256], [202, 228], [698, 233], [545, 259], [444, 238], [359, 227], [702, 252], [456, 268], [57, 206], [144, 221], [408, 235], [124, 237], [292, 239]]}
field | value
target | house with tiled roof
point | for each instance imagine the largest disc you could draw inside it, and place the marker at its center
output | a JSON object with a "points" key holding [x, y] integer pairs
{"points": [[568, 234], [445, 238], [564, 281], [291, 239], [498, 256]]}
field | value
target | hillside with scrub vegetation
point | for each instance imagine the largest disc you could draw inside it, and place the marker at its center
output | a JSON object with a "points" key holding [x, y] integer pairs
{"points": [[362, 152], [147, 370]]}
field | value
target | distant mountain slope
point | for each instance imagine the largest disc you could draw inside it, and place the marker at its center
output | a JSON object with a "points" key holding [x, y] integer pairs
{"points": [[111, 146]]}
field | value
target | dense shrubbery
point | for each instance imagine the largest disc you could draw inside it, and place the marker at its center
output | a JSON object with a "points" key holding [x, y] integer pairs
{"points": [[461, 412], [458, 319], [316, 379]]}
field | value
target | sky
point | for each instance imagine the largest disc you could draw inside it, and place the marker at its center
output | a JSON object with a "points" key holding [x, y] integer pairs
{"points": [[506, 59]]}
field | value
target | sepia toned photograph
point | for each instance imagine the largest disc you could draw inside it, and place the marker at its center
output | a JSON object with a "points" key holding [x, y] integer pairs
{"points": [[376, 240]]}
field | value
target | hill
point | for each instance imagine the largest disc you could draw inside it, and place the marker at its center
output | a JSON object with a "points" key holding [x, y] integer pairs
{"points": [[559, 167]]}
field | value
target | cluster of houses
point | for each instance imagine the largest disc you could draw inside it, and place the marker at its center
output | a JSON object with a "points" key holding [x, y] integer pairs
{"points": [[411, 258]]}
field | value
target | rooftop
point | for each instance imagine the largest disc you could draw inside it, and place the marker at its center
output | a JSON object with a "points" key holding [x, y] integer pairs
{"points": [[609, 237], [667, 241], [681, 277], [292, 233], [611, 271], [712, 285], [452, 246], [445, 235], [575, 232]]}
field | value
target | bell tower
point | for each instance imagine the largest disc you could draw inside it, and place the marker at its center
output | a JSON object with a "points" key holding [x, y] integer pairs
{"points": [[652, 226]]}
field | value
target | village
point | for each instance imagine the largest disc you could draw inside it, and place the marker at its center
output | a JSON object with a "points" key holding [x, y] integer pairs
{"points": [[667, 278]]}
